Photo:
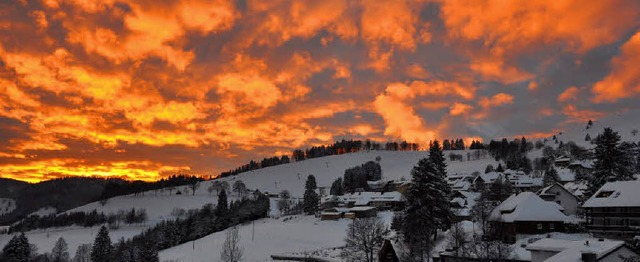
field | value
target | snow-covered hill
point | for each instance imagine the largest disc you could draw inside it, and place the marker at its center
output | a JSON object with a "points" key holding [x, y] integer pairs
{"points": [[160, 205], [624, 123], [395, 165]]}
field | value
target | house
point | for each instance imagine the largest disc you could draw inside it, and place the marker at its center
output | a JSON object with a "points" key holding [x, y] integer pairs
{"points": [[614, 210], [393, 250], [581, 167], [522, 182], [562, 161], [353, 212], [586, 250], [387, 253], [381, 200], [559, 194], [525, 214], [566, 175], [461, 204], [577, 188]]}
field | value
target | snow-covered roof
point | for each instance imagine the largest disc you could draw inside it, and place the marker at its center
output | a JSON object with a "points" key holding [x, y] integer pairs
{"points": [[588, 164], [489, 177], [363, 198], [571, 250], [461, 185], [566, 175], [545, 191], [616, 194], [577, 188], [527, 206], [361, 209]]}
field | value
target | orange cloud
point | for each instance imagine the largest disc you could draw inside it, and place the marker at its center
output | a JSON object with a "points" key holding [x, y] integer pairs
{"points": [[513, 26], [459, 109], [570, 94], [623, 81], [496, 100], [400, 118], [578, 115]]}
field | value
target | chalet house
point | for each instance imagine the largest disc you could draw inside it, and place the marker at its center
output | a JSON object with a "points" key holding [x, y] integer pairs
{"points": [[562, 161], [565, 175], [519, 180], [461, 204], [559, 194], [577, 188], [381, 200], [352, 213], [614, 210], [392, 250], [581, 167], [522, 182], [525, 214], [586, 250]]}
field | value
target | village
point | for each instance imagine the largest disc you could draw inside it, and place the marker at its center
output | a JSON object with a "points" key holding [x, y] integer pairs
{"points": [[538, 221]]}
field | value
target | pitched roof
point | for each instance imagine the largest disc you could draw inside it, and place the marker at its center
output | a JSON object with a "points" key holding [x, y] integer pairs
{"points": [[571, 250], [527, 206], [545, 190], [616, 194]]}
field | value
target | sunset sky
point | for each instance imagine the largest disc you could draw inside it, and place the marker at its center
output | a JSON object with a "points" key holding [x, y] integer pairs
{"points": [[142, 89]]}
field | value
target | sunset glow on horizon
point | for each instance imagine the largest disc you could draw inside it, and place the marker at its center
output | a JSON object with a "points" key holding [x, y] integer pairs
{"points": [[143, 89]]}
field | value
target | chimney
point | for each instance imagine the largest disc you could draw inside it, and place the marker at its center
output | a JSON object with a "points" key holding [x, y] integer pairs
{"points": [[589, 256]]}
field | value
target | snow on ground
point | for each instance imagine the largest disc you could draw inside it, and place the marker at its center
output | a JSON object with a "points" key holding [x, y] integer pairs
{"points": [[7, 205], [160, 205], [395, 165], [272, 236], [623, 123], [44, 240], [45, 211]]}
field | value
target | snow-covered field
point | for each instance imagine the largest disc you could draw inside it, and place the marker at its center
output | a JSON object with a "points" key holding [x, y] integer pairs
{"points": [[45, 211], [395, 165], [159, 205], [270, 236]]}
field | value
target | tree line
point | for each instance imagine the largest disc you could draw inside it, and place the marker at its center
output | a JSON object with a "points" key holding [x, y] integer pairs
{"points": [[337, 148], [145, 246], [122, 187], [356, 178], [87, 219]]}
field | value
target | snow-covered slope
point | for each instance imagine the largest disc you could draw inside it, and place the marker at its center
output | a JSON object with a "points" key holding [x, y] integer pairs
{"points": [[623, 123], [395, 165], [266, 237]]}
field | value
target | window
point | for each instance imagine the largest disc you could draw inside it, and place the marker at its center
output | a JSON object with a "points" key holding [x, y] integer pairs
{"points": [[539, 226], [604, 194], [552, 226]]}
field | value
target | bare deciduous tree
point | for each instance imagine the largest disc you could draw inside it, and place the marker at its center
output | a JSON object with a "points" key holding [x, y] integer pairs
{"points": [[231, 249], [83, 253], [364, 238]]}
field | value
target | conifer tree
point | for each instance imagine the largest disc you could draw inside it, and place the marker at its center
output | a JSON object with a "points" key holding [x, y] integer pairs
{"points": [[610, 161], [102, 248], [437, 158], [17, 249], [222, 210], [336, 187], [149, 252], [60, 251], [311, 199], [427, 208], [551, 177]]}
